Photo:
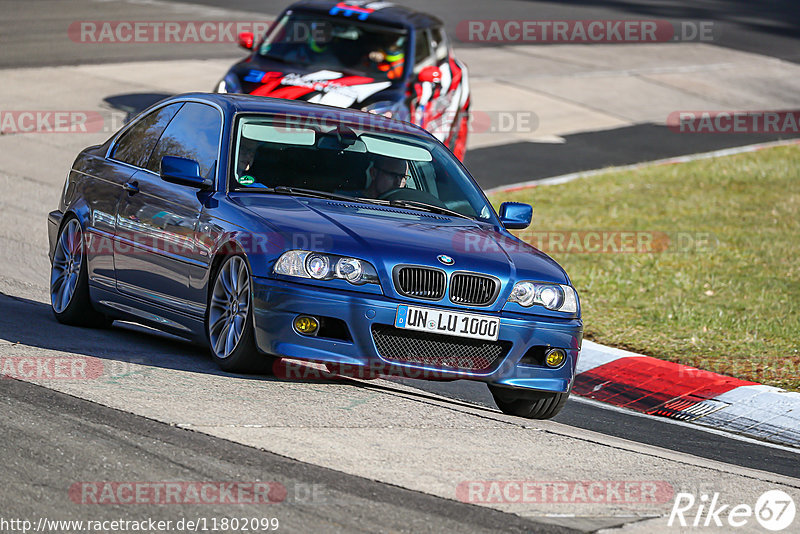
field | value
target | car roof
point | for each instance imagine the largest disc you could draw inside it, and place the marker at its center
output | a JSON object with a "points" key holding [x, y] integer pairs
{"points": [[377, 12], [236, 103]]}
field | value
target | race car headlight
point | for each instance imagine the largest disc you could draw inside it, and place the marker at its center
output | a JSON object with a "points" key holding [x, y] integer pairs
{"points": [[387, 108], [556, 297], [307, 264], [229, 84]]}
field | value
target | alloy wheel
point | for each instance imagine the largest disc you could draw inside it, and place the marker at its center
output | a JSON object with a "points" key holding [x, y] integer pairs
{"points": [[67, 261], [230, 304]]}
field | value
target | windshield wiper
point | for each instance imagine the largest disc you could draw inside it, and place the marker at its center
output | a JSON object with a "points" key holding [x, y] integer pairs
{"points": [[428, 207], [285, 190]]}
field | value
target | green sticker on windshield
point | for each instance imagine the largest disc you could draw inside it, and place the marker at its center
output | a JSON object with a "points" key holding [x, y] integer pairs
{"points": [[246, 179]]}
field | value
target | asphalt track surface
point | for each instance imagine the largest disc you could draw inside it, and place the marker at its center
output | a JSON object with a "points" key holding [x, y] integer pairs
{"points": [[594, 416], [772, 30], [147, 450], [78, 437]]}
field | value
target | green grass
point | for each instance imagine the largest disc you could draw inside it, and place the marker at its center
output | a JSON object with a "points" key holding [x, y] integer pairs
{"points": [[732, 307]]}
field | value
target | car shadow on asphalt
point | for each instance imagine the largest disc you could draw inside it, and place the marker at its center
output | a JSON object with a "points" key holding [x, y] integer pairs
{"points": [[29, 323]]}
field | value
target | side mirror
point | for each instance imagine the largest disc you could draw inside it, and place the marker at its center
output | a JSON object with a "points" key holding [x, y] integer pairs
{"points": [[247, 40], [431, 74], [516, 215], [182, 171]]}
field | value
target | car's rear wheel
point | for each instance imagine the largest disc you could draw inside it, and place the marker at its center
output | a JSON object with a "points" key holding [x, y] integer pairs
{"points": [[528, 404], [229, 321], [69, 280]]}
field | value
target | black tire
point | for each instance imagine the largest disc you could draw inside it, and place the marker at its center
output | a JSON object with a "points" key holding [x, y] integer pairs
{"points": [[528, 404], [77, 310], [245, 356]]}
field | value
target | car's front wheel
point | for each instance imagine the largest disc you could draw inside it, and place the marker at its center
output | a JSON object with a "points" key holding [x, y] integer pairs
{"points": [[528, 404], [69, 280], [229, 320]]}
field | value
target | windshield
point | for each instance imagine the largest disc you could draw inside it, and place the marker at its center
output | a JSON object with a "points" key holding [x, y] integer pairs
{"points": [[366, 163], [343, 45]]}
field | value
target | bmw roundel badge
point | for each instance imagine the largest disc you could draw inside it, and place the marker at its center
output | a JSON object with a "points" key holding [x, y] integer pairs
{"points": [[444, 258]]}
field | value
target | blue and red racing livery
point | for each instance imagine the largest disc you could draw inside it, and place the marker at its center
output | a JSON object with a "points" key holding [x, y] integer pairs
{"points": [[372, 56]]}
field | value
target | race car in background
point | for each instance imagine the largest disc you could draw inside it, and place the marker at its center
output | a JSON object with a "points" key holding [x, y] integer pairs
{"points": [[373, 56]]}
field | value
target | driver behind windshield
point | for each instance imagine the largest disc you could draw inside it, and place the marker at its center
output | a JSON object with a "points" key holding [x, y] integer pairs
{"points": [[390, 58], [385, 174]]}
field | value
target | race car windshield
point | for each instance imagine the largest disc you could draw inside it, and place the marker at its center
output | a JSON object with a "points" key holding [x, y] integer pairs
{"points": [[366, 162], [338, 44]]}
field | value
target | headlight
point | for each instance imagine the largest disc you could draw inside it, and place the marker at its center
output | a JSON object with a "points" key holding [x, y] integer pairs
{"points": [[387, 108], [350, 269], [229, 84], [292, 263], [523, 293], [306, 264], [551, 297], [318, 266], [555, 297]]}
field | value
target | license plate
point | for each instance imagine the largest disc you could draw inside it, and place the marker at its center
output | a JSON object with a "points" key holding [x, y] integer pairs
{"points": [[447, 322]]}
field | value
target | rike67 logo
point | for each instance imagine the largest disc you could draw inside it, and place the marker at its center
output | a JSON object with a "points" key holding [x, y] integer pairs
{"points": [[774, 510]]}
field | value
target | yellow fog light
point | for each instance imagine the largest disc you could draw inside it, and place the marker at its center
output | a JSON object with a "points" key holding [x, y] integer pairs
{"points": [[555, 357], [306, 325]]}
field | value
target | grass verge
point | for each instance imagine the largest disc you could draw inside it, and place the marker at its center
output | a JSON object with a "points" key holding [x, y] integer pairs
{"points": [[696, 263]]}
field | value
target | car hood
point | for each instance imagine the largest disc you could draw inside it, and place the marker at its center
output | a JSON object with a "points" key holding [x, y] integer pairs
{"points": [[387, 236], [262, 77]]}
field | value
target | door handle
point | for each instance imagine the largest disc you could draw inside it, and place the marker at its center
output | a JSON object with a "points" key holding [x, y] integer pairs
{"points": [[131, 187]]}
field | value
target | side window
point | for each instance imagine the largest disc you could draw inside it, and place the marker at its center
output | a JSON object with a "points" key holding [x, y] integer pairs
{"points": [[424, 177], [135, 145], [422, 50], [439, 44], [194, 134]]}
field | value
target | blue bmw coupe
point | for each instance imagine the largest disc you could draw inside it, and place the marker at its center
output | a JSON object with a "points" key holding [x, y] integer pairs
{"points": [[271, 229]]}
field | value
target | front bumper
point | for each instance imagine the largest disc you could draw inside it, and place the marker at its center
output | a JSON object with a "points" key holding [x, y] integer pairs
{"points": [[278, 303]]}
